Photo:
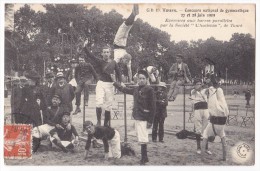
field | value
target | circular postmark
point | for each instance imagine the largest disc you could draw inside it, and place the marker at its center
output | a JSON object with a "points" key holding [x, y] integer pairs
{"points": [[242, 153]]}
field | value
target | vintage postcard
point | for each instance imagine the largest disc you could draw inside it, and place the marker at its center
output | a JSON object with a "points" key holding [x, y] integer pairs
{"points": [[154, 84]]}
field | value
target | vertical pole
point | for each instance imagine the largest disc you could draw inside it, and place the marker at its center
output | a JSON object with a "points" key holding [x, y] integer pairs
{"points": [[84, 109], [184, 106], [44, 68], [125, 119], [226, 81]]}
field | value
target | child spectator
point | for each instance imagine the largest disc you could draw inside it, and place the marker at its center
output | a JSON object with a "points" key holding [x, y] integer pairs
{"points": [[143, 110], [110, 137], [161, 112]]}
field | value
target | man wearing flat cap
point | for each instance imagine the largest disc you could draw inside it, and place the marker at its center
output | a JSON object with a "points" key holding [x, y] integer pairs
{"points": [[49, 87], [180, 74]]}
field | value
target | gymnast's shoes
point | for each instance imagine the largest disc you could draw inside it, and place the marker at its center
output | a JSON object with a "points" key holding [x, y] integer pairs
{"points": [[77, 111], [207, 151], [135, 10]]}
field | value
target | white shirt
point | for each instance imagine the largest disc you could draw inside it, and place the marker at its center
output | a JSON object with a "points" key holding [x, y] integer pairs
{"points": [[198, 96], [217, 103]]}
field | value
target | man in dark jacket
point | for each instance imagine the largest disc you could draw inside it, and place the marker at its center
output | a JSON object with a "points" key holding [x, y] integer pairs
{"points": [[248, 97], [143, 110], [64, 90], [83, 75], [49, 87], [161, 112]]}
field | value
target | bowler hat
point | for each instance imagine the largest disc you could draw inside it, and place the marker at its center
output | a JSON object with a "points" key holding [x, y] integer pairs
{"points": [[60, 75], [180, 56], [56, 96]]}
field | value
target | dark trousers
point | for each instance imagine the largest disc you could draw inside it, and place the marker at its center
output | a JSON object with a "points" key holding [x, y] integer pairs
{"points": [[82, 85], [158, 122], [247, 101]]}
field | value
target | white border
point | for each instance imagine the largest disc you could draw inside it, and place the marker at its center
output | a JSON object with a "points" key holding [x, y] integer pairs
{"points": [[119, 168]]}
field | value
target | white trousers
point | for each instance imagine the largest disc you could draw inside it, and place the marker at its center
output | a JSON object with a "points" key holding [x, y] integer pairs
{"points": [[141, 131], [42, 131], [201, 120], [122, 35], [115, 146], [104, 95]]}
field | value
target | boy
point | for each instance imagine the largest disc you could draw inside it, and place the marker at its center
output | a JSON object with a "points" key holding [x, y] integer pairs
{"points": [[64, 90], [143, 110], [67, 137], [201, 114], [161, 112], [110, 137], [218, 111]]}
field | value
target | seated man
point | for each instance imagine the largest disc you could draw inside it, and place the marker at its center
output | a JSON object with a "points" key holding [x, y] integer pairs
{"points": [[51, 119], [110, 137], [67, 137]]}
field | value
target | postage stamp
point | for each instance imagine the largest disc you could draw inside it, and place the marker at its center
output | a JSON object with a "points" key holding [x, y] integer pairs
{"points": [[17, 141]]}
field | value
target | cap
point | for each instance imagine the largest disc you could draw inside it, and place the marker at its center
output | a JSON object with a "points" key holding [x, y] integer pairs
{"points": [[143, 72]]}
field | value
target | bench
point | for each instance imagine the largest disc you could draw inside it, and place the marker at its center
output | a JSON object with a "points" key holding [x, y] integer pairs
{"points": [[233, 113]]}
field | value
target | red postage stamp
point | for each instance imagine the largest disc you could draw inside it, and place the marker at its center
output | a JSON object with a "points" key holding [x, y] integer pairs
{"points": [[17, 141]]}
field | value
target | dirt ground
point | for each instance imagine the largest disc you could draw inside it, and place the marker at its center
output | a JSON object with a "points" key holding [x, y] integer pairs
{"points": [[173, 152]]}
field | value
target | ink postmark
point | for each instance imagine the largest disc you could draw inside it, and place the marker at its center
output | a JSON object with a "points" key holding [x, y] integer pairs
{"points": [[242, 153]]}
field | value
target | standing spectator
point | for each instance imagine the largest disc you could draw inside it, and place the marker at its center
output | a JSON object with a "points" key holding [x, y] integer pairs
{"points": [[16, 95], [161, 112], [71, 73], [248, 97], [32, 101], [180, 74], [106, 68], [143, 110], [83, 75], [49, 87], [64, 90]]}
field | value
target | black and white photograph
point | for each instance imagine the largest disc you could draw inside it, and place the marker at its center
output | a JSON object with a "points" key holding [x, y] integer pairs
{"points": [[129, 84]]}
